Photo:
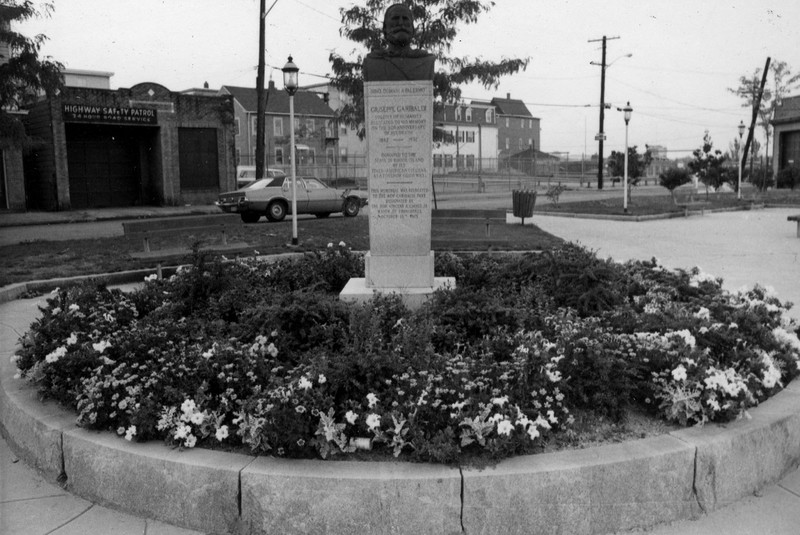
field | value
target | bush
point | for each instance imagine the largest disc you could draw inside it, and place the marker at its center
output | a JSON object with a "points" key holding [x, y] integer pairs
{"points": [[265, 356], [673, 178]]}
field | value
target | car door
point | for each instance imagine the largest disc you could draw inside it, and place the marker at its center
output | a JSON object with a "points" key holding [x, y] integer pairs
{"points": [[302, 195], [321, 198]]}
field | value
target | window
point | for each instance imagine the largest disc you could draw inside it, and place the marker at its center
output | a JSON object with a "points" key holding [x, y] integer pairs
{"points": [[277, 126], [342, 129], [310, 126], [448, 160], [530, 124], [199, 169], [312, 156], [460, 161], [458, 113], [253, 127], [521, 144], [508, 142], [530, 142], [329, 130], [470, 137], [469, 115], [506, 122], [238, 157], [489, 116], [279, 156], [343, 155], [522, 123], [470, 161], [330, 156], [236, 127], [437, 160]]}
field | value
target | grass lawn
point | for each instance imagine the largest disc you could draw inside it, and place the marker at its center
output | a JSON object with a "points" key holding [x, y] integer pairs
{"points": [[644, 205], [41, 259]]}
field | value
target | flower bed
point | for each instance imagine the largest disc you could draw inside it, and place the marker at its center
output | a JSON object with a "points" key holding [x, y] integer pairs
{"points": [[265, 355]]}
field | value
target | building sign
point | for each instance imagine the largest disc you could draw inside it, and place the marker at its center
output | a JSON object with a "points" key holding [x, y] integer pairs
{"points": [[86, 113]]}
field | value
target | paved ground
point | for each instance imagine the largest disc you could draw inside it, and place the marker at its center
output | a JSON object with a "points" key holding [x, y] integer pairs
{"points": [[743, 247]]}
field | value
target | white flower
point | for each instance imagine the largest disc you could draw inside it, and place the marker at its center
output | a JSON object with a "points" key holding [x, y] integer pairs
{"points": [[553, 376], [182, 431], [372, 400], [14, 359], [197, 418], [551, 416], [120, 430], [101, 346], [330, 245], [533, 432], [56, 311], [74, 308], [541, 422], [322, 379], [188, 406], [56, 354], [679, 373], [123, 404], [501, 401], [703, 314], [208, 354], [151, 278], [687, 337], [73, 339], [504, 427], [786, 338], [222, 433], [190, 441], [342, 244], [351, 417], [304, 383], [772, 375], [130, 433], [272, 350], [373, 421]]}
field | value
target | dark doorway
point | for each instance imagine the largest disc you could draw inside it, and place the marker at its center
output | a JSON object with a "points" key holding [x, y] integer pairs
{"points": [[105, 164]]}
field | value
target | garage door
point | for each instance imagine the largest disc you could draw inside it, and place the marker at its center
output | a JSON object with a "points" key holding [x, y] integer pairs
{"points": [[198, 158], [104, 167]]}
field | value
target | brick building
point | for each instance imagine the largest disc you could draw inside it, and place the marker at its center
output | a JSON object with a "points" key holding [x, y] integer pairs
{"points": [[518, 130], [314, 128], [124, 147]]}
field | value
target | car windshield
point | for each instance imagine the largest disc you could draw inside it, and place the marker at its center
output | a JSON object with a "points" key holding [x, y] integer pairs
{"points": [[263, 183], [313, 183]]}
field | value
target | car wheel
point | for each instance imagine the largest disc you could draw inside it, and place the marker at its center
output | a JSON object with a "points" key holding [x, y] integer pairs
{"points": [[250, 217], [276, 211], [351, 207], [323, 215]]}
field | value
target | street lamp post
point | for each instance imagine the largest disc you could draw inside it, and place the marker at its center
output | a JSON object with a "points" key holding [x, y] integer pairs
{"points": [[290, 71], [627, 110], [741, 156]]}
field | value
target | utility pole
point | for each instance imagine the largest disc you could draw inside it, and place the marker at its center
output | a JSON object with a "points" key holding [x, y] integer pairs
{"points": [[261, 96], [261, 108], [601, 135], [756, 108]]}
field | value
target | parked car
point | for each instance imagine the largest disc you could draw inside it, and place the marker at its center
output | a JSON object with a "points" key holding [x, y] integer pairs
{"points": [[246, 175], [272, 197]]}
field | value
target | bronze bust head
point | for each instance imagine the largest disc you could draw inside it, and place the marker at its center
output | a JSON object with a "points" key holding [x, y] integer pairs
{"points": [[398, 60]]}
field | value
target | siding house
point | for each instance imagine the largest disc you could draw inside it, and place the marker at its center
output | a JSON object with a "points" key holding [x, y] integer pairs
{"points": [[786, 138]]}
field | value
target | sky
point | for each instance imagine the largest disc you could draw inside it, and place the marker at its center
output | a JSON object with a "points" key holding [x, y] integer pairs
{"points": [[685, 56]]}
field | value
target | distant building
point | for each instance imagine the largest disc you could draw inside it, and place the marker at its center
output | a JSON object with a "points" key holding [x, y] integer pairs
{"points": [[314, 128], [786, 137], [469, 141], [518, 130]]}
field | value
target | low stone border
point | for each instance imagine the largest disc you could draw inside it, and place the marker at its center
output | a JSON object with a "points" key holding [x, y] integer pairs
{"points": [[596, 490], [602, 489]]}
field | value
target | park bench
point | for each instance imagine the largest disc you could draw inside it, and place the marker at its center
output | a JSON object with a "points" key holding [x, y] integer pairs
{"points": [[148, 228], [690, 203], [796, 218], [487, 217]]}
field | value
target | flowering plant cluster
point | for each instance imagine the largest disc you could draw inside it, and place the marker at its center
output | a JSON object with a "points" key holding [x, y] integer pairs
{"points": [[265, 356]]}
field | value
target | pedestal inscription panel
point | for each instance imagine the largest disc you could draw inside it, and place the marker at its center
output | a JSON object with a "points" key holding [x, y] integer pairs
{"points": [[399, 119]]}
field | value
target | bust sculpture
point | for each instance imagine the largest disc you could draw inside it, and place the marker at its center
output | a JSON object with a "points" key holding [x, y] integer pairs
{"points": [[398, 61]]}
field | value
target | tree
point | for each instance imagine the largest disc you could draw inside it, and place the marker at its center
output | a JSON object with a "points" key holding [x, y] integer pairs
{"points": [[23, 74], [783, 82], [435, 22], [637, 165], [673, 178], [708, 165]]}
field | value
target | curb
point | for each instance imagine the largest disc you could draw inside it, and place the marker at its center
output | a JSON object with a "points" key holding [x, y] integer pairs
{"points": [[595, 490]]}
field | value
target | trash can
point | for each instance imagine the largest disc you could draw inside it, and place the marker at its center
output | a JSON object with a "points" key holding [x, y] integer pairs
{"points": [[522, 202]]}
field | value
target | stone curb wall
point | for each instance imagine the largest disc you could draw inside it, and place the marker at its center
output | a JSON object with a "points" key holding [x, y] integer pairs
{"points": [[596, 490]]}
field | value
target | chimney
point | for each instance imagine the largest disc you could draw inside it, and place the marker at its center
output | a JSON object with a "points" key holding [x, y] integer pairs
{"points": [[508, 96], [271, 84]]}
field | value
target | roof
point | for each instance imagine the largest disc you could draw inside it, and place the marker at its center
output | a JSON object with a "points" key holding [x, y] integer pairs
{"points": [[529, 154], [788, 111], [305, 102], [509, 106]]}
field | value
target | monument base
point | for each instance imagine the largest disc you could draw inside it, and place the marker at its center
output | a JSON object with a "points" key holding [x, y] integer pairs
{"points": [[357, 291], [395, 271]]}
